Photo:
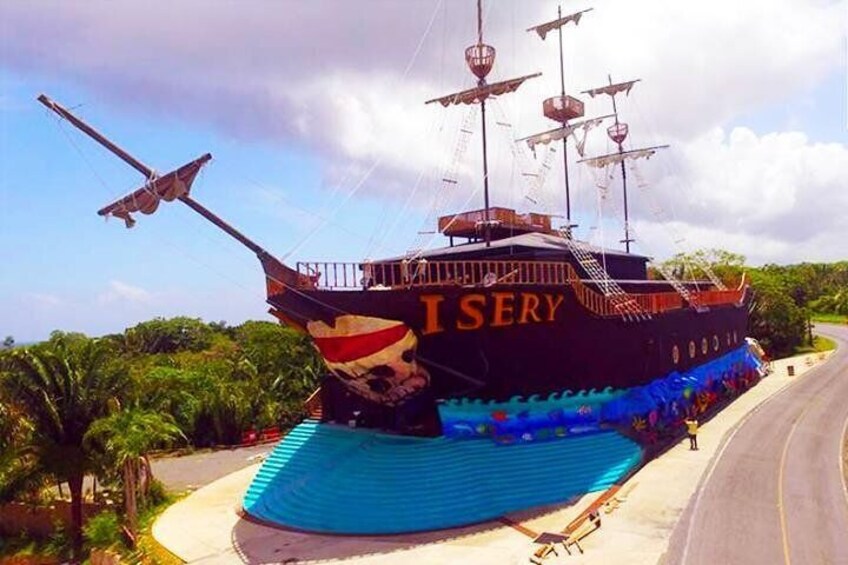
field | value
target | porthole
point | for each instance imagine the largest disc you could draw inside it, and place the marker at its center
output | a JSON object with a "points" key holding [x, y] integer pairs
{"points": [[675, 354], [716, 343], [704, 346], [691, 350]]}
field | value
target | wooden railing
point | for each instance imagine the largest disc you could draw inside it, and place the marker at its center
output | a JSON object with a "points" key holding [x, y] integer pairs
{"points": [[716, 297], [313, 406], [467, 222], [423, 273]]}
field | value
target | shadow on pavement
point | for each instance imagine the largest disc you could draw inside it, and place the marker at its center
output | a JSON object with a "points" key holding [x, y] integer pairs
{"points": [[257, 543]]}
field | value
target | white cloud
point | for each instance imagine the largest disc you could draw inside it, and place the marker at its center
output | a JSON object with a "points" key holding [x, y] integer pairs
{"points": [[330, 76], [42, 300], [123, 293], [775, 197]]}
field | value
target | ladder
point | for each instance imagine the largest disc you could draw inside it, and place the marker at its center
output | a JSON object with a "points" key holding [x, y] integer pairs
{"points": [[679, 287], [621, 300], [449, 182], [661, 216], [534, 175]]}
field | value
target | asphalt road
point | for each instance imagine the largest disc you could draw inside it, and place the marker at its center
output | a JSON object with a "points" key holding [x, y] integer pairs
{"points": [[775, 492], [190, 472]]}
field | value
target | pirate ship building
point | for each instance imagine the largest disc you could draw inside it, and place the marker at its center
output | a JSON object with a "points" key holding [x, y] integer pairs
{"points": [[517, 309], [515, 331]]}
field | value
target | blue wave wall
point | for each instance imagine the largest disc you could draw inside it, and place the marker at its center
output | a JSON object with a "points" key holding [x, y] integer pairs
{"points": [[332, 479], [532, 419], [328, 478]]}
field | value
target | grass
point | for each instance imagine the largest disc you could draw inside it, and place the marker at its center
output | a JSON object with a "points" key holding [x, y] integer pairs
{"points": [[820, 344], [147, 551], [50, 550], [147, 545], [830, 318]]}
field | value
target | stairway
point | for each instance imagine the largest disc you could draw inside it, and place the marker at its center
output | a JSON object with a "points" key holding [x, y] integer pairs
{"points": [[679, 286], [622, 301], [329, 478]]}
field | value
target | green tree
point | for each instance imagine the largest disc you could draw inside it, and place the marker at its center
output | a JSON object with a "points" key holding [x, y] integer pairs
{"points": [[168, 336], [126, 437], [776, 320], [61, 388], [176, 392], [20, 474], [836, 303], [726, 265], [287, 366]]}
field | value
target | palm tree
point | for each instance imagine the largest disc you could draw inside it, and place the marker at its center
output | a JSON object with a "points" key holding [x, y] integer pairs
{"points": [[126, 437], [19, 469], [61, 388]]}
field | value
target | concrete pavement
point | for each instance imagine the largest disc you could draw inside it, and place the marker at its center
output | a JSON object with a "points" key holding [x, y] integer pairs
{"points": [[777, 493], [205, 526]]}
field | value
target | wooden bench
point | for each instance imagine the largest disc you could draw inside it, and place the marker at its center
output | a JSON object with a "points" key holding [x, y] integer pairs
{"points": [[589, 525], [593, 508], [587, 522], [618, 498], [549, 540]]}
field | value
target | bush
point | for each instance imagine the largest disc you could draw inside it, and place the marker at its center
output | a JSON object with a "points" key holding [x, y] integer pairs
{"points": [[103, 530], [156, 494], [58, 543], [776, 321]]}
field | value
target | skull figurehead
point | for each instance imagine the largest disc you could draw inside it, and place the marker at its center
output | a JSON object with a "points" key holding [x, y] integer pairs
{"points": [[373, 357]]}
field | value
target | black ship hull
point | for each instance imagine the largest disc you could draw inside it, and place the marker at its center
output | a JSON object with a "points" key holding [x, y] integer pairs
{"points": [[504, 341]]}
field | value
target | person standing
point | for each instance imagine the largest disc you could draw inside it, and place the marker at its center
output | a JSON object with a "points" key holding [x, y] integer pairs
{"points": [[692, 430]]}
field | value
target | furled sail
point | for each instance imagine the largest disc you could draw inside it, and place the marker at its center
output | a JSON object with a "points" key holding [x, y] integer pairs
{"points": [[559, 133], [480, 93], [166, 187], [604, 160], [547, 27], [612, 89]]}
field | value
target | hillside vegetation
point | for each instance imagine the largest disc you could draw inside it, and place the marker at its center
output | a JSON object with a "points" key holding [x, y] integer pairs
{"points": [[75, 406], [786, 299]]}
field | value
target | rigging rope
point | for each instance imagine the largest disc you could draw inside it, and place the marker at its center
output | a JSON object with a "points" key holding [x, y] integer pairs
{"points": [[378, 161], [450, 182], [59, 122], [597, 271], [676, 237], [533, 181], [677, 285], [415, 253], [668, 220]]}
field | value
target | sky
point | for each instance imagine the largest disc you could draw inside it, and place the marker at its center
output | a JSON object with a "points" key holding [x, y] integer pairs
{"points": [[324, 149]]}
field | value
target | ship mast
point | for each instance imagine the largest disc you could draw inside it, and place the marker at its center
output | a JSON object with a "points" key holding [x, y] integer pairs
{"points": [[568, 223], [618, 133], [175, 185], [562, 108], [480, 58]]}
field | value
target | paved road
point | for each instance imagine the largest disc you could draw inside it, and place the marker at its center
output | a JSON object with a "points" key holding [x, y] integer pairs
{"points": [[190, 472], [775, 492]]}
